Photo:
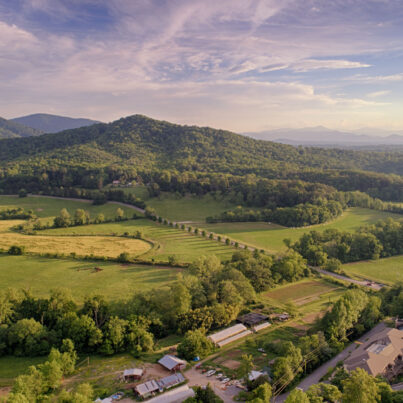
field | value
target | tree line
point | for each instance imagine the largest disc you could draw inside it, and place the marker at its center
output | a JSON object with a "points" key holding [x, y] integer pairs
{"points": [[383, 239]]}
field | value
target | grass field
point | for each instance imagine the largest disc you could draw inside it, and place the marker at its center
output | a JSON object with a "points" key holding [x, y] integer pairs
{"points": [[271, 236], [46, 207], [167, 240], [188, 208], [389, 270], [114, 281]]}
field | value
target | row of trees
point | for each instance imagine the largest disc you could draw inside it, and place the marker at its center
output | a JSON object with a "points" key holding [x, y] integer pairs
{"points": [[17, 213], [382, 239], [298, 216]]}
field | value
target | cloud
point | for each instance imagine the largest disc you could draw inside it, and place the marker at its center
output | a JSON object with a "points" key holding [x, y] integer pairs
{"points": [[377, 94]]}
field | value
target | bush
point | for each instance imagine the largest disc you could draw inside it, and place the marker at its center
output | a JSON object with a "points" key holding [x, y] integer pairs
{"points": [[16, 250]]}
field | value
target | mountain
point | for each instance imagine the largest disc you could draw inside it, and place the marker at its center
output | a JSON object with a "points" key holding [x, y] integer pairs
{"points": [[322, 136], [52, 123], [10, 129], [141, 143]]}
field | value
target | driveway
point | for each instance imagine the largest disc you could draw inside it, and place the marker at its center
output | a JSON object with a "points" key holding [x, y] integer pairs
{"points": [[197, 378], [316, 375], [368, 283]]}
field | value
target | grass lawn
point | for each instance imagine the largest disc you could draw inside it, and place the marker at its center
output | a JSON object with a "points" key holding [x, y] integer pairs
{"points": [[188, 208], [271, 236], [114, 281], [167, 240], [11, 367], [388, 270]]}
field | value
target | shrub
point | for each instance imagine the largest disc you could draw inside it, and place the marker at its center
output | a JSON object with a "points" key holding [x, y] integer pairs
{"points": [[16, 250]]}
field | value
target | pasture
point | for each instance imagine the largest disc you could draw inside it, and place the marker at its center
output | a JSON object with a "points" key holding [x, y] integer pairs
{"points": [[114, 281], [270, 236], [188, 208], [388, 270], [167, 240]]}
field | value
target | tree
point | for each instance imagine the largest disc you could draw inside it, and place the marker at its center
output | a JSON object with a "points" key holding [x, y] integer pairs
{"points": [[100, 218], [16, 250], [114, 336], [360, 387], [63, 220], [119, 214], [195, 344], [22, 193], [204, 395], [246, 366], [81, 217], [138, 338], [262, 393], [297, 396], [97, 308], [323, 392], [333, 265]]}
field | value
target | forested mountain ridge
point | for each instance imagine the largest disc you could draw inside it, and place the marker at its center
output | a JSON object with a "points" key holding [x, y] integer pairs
{"points": [[10, 129], [47, 123], [149, 143]]}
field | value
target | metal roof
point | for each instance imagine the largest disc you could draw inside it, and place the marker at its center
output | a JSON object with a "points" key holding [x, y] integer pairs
{"points": [[170, 361], [226, 333], [147, 387], [233, 338], [133, 372], [174, 396]]}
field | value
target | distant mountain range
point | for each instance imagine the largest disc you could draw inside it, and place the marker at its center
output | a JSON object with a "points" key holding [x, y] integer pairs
{"points": [[10, 129], [52, 123], [322, 136]]}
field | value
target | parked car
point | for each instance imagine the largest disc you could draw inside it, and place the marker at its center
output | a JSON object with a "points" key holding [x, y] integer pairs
{"points": [[211, 372], [225, 380]]}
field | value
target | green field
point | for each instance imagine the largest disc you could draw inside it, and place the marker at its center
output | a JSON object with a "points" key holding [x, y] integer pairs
{"points": [[167, 240], [271, 236], [188, 208], [114, 281], [388, 270], [46, 207]]}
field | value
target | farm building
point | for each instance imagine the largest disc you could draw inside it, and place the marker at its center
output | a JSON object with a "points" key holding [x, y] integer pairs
{"points": [[261, 326], [170, 381], [229, 335], [381, 354], [282, 317], [252, 319], [172, 363], [174, 396], [146, 389], [132, 374]]}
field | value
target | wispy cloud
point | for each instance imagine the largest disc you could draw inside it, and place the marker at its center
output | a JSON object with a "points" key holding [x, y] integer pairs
{"points": [[230, 58]]}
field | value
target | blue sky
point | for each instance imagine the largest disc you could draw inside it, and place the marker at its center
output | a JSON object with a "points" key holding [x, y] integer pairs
{"points": [[243, 65]]}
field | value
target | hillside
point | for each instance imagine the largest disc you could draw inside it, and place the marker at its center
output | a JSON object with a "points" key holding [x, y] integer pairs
{"points": [[10, 129], [146, 143], [52, 123]]}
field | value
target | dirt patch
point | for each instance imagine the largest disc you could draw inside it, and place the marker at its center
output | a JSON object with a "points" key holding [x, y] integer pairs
{"points": [[39, 209], [154, 371], [5, 391], [303, 301], [231, 364], [233, 353], [312, 317]]}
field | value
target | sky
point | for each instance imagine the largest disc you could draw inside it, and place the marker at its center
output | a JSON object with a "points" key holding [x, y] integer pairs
{"points": [[241, 65]]}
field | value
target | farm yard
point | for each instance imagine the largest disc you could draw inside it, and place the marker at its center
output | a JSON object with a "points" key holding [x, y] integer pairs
{"points": [[270, 236], [387, 270]]}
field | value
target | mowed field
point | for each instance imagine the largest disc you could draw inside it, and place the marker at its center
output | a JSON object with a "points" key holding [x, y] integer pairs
{"points": [[108, 246], [105, 239], [270, 236], [388, 270], [188, 208], [114, 281], [167, 240]]}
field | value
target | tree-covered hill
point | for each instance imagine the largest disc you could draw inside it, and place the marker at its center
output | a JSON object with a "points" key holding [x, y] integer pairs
{"points": [[148, 143], [52, 123], [10, 129]]}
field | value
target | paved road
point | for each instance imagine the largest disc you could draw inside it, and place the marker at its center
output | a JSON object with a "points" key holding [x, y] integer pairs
{"points": [[398, 386], [368, 283], [316, 375]]}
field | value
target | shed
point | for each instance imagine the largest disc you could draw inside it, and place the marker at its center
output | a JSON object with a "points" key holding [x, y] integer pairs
{"points": [[132, 374], [172, 363], [146, 389], [252, 318], [226, 333], [171, 380]]}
